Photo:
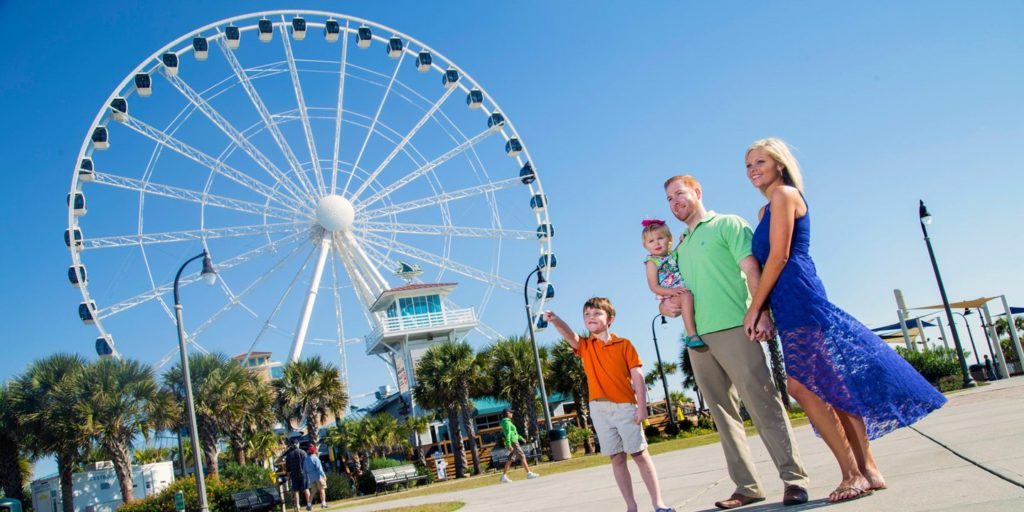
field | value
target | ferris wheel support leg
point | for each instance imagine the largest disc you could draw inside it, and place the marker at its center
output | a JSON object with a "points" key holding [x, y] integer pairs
{"points": [[307, 309]]}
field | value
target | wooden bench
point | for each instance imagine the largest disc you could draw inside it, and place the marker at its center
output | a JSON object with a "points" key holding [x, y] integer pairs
{"points": [[500, 455], [257, 500], [396, 475]]}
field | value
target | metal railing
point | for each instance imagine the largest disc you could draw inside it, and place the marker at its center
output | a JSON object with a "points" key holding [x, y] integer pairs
{"points": [[421, 321]]}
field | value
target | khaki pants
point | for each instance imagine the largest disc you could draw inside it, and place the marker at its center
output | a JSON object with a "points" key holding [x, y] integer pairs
{"points": [[734, 364]]}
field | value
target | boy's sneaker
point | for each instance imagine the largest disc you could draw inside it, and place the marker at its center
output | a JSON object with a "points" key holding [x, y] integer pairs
{"points": [[505, 480], [694, 342], [531, 475]]}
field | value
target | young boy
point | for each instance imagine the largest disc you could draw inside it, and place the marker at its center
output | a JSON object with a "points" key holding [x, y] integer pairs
{"points": [[618, 399], [510, 435]]}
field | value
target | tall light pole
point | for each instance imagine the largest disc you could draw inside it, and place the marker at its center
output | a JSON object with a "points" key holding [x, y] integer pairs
{"points": [[661, 367], [926, 218], [533, 341], [210, 276], [977, 358]]}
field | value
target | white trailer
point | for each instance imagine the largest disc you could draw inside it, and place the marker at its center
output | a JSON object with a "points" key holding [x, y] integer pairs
{"points": [[97, 489]]}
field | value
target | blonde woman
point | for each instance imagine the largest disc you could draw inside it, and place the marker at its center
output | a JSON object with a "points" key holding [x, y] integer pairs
{"points": [[853, 387]]}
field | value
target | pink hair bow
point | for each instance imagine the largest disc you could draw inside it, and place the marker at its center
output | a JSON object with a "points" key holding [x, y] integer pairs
{"points": [[652, 222]]}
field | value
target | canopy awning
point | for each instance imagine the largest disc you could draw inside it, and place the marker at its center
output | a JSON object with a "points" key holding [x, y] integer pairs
{"points": [[964, 304], [912, 323]]}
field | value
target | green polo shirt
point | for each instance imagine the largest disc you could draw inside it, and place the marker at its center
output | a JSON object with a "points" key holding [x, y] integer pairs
{"points": [[709, 257]]}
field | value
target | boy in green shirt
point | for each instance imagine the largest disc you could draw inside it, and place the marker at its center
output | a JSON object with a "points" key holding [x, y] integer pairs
{"points": [[511, 437]]}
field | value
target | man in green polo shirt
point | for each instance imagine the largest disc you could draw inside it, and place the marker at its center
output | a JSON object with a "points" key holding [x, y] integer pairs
{"points": [[715, 259]]}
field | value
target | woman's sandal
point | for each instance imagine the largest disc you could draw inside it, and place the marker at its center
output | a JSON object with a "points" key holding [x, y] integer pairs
{"points": [[843, 489]]}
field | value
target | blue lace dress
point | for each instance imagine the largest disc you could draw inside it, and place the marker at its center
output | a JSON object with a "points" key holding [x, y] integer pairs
{"points": [[834, 355]]}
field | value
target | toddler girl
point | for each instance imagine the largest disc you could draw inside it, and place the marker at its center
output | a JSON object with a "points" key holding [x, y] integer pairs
{"points": [[663, 275]]}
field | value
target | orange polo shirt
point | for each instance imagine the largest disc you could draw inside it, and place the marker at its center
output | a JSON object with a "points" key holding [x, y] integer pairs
{"points": [[607, 366]]}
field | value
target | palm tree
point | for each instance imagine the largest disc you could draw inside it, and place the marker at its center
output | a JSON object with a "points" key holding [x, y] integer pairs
{"points": [[566, 376], [415, 425], [12, 479], [435, 390], [652, 377], [347, 438], [689, 380], [51, 425], [513, 378], [117, 397], [151, 454], [249, 409], [779, 371], [463, 371], [262, 446], [1003, 327], [308, 391]]}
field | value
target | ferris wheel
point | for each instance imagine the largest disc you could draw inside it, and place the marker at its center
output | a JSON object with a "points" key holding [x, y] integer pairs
{"points": [[312, 155]]}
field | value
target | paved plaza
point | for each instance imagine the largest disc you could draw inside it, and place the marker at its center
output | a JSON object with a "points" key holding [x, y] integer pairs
{"points": [[969, 455]]}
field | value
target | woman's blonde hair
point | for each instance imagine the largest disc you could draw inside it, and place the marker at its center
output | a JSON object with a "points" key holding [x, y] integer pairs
{"points": [[779, 151]]}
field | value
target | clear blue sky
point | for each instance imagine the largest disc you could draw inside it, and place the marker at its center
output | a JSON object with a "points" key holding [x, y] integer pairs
{"points": [[885, 103]]}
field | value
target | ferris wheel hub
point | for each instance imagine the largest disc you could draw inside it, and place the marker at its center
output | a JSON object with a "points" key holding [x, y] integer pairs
{"points": [[335, 213]]}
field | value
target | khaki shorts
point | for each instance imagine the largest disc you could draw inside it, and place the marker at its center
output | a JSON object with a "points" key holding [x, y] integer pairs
{"points": [[617, 431], [316, 485]]}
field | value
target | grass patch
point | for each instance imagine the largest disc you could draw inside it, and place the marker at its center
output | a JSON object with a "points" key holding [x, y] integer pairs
{"points": [[445, 506], [548, 468]]}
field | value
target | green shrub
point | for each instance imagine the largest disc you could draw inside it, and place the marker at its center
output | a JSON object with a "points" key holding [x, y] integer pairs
{"points": [[339, 487], [704, 421], [218, 494], [686, 425], [672, 429], [577, 437], [652, 432], [950, 383], [430, 473], [248, 474], [933, 364]]}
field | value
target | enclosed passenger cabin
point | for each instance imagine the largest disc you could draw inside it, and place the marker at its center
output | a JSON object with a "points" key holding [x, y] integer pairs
{"points": [[266, 29], [77, 202], [232, 36], [200, 48], [85, 170], [537, 202], [298, 28], [364, 37], [170, 60], [395, 47], [475, 99], [450, 78], [539, 323], [105, 346], [77, 276], [545, 291], [73, 238], [100, 138], [513, 146], [424, 61], [332, 29], [86, 312], [547, 262], [545, 231], [144, 84], [119, 109], [495, 121], [526, 174]]}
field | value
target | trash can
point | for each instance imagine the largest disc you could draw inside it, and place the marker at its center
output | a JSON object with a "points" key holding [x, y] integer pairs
{"points": [[10, 505], [559, 439]]}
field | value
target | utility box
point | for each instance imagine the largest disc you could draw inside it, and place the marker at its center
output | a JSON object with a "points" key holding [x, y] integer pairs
{"points": [[10, 505]]}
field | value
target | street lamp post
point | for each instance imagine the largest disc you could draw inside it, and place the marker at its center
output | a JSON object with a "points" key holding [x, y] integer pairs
{"points": [[210, 276], [969, 333], [926, 218], [533, 342], [661, 368]]}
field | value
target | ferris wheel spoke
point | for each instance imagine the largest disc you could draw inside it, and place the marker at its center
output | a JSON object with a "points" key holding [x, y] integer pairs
{"points": [[367, 279], [207, 161], [338, 322], [168, 237], [405, 140], [424, 169], [193, 196], [236, 299], [301, 101], [269, 323], [434, 229], [373, 124], [440, 198], [164, 289], [240, 140], [440, 261], [341, 101], [268, 120]]}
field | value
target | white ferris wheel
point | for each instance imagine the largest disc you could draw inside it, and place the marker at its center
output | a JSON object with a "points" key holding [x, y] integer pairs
{"points": [[312, 154]]}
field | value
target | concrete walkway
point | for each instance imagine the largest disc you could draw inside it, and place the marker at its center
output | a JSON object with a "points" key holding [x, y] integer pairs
{"points": [[969, 455]]}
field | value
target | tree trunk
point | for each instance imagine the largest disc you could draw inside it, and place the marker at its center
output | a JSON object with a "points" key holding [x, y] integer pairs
{"points": [[11, 478], [67, 495], [455, 439], [313, 429], [779, 371], [467, 418], [239, 452], [123, 470], [208, 440]]}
